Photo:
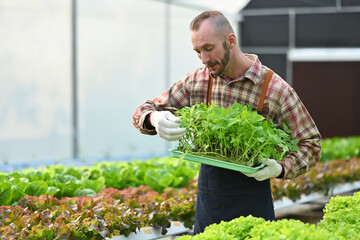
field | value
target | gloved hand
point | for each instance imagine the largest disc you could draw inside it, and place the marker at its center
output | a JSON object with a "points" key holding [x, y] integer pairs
{"points": [[272, 169], [167, 125]]}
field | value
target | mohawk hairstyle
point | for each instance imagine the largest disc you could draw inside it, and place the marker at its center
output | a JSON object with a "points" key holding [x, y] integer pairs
{"points": [[217, 19]]}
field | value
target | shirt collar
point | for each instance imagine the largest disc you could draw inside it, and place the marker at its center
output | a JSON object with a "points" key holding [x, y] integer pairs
{"points": [[254, 72]]}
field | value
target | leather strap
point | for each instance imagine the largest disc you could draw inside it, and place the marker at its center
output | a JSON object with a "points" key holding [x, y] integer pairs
{"points": [[264, 90], [209, 90]]}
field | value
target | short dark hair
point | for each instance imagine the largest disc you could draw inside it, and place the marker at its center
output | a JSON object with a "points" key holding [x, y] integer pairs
{"points": [[218, 20]]}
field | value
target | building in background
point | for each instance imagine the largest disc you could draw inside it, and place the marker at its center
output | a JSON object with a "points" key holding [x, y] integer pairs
{"points": [[315, 46]]}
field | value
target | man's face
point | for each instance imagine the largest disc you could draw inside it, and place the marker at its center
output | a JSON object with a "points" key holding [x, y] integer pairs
{"points": [[212, 51]]}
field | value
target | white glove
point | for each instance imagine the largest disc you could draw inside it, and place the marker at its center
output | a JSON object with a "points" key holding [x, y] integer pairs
{"points": [[167, 125], [272, 169]]}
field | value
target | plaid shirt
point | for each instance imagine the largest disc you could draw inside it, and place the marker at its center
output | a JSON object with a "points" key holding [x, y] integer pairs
{"points": [[282, 104]]}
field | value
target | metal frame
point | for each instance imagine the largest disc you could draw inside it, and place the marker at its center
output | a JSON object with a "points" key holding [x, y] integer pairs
{"points": [[324, 55], [74, 81], [301, 10]]}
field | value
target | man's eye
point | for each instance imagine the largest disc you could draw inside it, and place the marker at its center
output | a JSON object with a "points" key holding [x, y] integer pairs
{"points": [[208, 49]]}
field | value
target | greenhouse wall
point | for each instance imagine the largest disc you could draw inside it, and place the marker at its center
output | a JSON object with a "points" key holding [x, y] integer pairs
{"points": [[35, 80], [127, 52]]}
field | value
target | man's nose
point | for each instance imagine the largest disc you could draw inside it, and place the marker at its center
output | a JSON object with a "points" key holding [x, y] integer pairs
{"points": [[204, 58]]}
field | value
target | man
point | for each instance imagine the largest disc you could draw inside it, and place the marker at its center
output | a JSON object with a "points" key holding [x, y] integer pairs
{"points": [[237, 77]]}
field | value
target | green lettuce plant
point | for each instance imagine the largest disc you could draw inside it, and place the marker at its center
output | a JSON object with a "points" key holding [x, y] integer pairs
{"points": [[237, 134], [342, 216], [340, 148], [61, 181]]}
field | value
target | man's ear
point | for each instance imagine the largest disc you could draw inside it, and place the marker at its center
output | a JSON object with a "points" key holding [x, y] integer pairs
{"points": [[231, 40]]}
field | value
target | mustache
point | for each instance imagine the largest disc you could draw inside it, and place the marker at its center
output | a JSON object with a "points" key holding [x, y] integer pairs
{"points": [[210, 64]]}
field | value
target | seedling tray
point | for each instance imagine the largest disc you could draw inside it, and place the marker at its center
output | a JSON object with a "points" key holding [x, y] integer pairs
{"points": [[215, 162]]}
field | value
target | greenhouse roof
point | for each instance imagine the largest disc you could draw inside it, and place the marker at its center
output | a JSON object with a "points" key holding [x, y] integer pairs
{"points": [[228, 7]]}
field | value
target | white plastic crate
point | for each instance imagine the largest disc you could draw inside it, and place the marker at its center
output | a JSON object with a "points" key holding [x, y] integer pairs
{"points": [[148, 233]]}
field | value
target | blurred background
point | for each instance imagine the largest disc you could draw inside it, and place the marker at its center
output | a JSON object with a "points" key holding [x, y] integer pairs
{"points": [[73, 72]]}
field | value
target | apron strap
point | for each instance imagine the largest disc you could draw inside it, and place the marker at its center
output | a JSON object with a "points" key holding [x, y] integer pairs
{"points": [[209, 90], [264, 90]]}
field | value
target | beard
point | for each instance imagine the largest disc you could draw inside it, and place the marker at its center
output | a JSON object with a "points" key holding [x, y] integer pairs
{"points": [[223, 62]]}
